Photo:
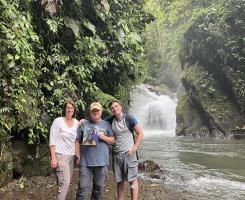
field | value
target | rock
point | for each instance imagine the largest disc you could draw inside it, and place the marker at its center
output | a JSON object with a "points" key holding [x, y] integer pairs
{"points": [[213, 75], [154, 185], [151, 169], [156, 176], [27, 162], [6, 165], [189, 119], [202, 132], [148, 166]]}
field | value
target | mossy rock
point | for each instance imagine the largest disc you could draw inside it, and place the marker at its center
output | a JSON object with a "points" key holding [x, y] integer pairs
{"points": [[30, 160], [188, 119], [212, 59], [212, 98], [6, 165], [160, 89]]}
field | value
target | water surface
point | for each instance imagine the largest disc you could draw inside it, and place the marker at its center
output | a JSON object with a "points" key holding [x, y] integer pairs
{"points": [[212, 169], [205, 168]]}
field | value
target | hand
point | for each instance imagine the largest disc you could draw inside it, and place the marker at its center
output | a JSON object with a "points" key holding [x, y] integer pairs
{"points": [[53, 163], [81, 122], [132, 151], [100, 134], [78, 161]]}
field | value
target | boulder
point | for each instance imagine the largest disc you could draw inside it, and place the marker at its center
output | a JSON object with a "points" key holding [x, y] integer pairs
{"points": [[212, 59], [148, 166], [30, 160], [151, 169]]}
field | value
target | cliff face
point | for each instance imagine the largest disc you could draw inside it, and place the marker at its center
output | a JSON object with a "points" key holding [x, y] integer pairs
{"points": [[213, 63]]}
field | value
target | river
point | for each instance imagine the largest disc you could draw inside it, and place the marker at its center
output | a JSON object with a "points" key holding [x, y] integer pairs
{"points": [[202, 169]]}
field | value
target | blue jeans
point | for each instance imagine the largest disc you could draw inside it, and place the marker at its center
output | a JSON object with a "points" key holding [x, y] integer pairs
{"points": [[98, 175]]}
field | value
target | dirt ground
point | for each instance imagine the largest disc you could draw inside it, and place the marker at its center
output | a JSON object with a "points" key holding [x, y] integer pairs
{"points": [[44, 188]]}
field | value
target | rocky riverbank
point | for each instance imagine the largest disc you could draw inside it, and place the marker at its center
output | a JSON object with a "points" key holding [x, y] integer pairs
{"points": [[44, 187]]}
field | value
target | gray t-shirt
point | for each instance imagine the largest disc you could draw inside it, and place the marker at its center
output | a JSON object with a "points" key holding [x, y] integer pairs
{"points": [[124, 137], [95, 155]]}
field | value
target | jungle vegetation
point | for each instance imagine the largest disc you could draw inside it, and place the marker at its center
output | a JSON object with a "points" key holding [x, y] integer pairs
{"points": [[53, 50]]}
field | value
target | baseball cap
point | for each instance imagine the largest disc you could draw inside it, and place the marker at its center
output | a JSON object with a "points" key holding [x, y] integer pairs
{"points": [[95, 105]]}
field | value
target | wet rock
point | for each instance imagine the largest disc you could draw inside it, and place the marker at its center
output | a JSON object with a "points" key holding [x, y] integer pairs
{"points": [[148, 166], [156, 176], [202, 132], [213, 79], [151, 170]]}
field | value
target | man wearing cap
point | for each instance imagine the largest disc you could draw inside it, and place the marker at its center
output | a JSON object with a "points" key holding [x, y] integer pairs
{"points": [[94, 158]]}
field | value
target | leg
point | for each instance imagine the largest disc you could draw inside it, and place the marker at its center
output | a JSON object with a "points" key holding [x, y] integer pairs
{"points": [[121, 190], [84, 183], [132, 171], [100, 174], [63, 174], [134, 189], [118, 170], [71, 165]]}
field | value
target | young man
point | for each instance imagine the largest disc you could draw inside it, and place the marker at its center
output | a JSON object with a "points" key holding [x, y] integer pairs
{"points": [[93, 158], [124, 158]]}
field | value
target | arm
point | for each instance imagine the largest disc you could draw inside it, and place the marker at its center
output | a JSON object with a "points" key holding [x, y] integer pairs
{"points": [[52, 147], [77, 143], [81, 122], [53, 162], [77, 151], [77, 148], [139, 137], [107, 139]]}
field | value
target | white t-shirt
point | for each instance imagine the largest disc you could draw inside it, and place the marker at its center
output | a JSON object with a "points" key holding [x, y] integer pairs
{"points": [[63, 137]]}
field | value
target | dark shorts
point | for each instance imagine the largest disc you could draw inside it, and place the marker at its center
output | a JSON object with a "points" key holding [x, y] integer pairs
{"points": [[125, 167]]}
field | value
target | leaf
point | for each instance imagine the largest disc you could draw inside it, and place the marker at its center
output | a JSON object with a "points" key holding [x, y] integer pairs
{"points": [[72, 24], [90, 26], [105, 5]]}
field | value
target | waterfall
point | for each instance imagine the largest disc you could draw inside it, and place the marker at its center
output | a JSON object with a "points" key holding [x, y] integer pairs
{"points": [[155, 113]]}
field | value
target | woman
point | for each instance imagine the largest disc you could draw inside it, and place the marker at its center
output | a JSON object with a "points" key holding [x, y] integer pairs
{"points": [[62, 147]]}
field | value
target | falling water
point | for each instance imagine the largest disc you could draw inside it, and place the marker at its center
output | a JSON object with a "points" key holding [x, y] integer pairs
{"points": [[201, 168], [155, 112]]}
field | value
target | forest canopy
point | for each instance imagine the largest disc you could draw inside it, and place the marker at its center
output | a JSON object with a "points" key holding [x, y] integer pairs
{"points": [[51, 50]]}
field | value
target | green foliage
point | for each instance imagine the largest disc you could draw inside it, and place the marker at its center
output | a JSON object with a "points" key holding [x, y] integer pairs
{"points": [[19, 86], [216, 40], [121, 30], [165, 35], [212, 57], [86, 48]]}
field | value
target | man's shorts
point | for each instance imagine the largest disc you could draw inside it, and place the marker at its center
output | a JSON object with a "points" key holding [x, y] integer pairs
{"points": [[125, 167]]}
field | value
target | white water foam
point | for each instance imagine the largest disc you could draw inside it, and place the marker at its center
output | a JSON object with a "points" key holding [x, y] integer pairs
{"points": [[224, 188], [148, 133], [203, 169], [156, 113]]}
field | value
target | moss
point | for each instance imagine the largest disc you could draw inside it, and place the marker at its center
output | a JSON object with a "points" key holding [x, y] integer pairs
{"points": [[163, 89], [212, 59], [30, 162], [6, 165], [188, 118], [208, 95]]}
